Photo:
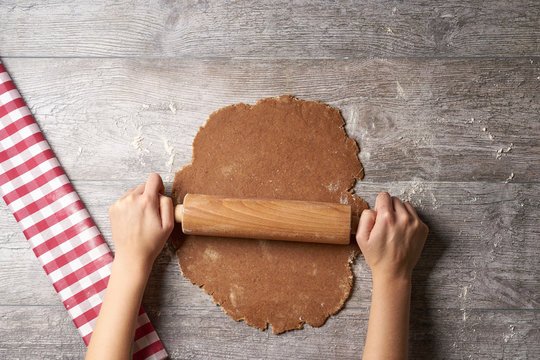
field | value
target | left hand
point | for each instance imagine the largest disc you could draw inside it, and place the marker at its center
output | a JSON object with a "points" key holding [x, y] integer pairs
{"points": [[141, 222]]}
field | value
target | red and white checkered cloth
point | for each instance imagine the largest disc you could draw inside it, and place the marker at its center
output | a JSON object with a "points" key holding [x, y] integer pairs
{"points": [[58, 228]]}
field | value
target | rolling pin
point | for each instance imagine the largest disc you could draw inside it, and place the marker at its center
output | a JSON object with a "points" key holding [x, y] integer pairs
{"points": [[287, 220]]}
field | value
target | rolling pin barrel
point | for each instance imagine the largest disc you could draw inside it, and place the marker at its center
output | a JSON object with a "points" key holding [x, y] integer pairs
{"points": [[286, 220]]}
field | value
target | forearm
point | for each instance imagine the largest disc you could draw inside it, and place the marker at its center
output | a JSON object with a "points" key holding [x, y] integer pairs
{"points": [[114, 330], [388, 328]]}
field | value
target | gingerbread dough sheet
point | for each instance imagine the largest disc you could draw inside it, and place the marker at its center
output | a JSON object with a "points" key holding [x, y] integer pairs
{"points": [[281, 148]]}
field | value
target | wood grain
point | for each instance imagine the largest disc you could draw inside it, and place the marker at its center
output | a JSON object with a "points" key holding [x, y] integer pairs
{"points": [[442, 98], [120, 119], [277, 29], [200, 333]]}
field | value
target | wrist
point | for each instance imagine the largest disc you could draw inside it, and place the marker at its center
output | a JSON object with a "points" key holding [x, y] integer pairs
{"points": [[397, 281], [133, 267]]}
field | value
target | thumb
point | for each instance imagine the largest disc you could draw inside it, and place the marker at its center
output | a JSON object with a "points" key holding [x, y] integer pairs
{"points": [[365, 225]]}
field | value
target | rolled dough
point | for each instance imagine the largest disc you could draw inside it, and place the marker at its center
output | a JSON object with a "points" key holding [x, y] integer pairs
{"points": [[281, 148]]}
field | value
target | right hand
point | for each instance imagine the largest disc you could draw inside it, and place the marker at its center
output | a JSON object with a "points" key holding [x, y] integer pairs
{"points": [[391, 238]]}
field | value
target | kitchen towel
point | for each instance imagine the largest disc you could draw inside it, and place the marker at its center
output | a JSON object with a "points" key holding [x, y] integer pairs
{"points": [[55, 222]]}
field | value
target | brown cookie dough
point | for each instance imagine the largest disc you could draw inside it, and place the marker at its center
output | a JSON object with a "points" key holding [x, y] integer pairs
{"points": [[281, 148]]}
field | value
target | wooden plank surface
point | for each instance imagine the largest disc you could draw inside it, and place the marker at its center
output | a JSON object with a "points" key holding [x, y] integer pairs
{"points": [[442, 97], [420, 119], [195, 333], [276, 29]]}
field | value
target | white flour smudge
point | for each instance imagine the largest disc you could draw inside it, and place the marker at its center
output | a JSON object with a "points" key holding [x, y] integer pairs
{"points": [[138, 139], [172, 107], [416, 193], [333, 187], [400, 91], [169, 150], [137, 144], [509, 178], [511, 334], [503, 151], [463, 297]]}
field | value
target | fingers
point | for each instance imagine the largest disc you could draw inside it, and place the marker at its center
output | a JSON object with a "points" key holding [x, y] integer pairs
{"points": [[401, 210], [416, 219], [137, 190], [383, 203], [365, 225], [410, 209], [166, 211], [385, 208], [154, 185]]}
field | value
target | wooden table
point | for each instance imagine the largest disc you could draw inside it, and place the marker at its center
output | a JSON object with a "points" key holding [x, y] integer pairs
{"points": [[442, 98]]}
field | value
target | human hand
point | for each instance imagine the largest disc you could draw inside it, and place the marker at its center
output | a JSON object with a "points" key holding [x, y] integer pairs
{"points": [[141, 222], [391, 238]]}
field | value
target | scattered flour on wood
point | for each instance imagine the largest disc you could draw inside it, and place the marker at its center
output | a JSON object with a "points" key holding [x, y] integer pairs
{"points": [[463, 297], [416, 193], [138, 140], [172, 107], [366, 155], [463, 300], [509, 178], [169, 150], [163, 106], [137, 144], [121, 123], [511, 334], [354, 119], [400, 92], [503, 151], [490, 136], [484, 128]]}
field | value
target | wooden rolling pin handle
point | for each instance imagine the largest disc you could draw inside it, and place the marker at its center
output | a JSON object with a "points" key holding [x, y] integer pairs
{"points": [[266, 219], [179, 213]]}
